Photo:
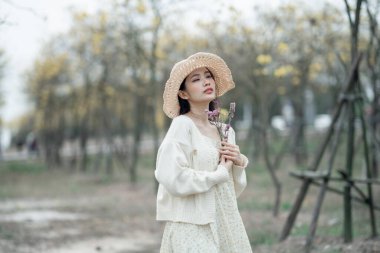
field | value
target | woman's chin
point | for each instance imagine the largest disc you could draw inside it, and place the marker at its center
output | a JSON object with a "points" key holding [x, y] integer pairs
{"points": [[209, 99], [210, 96], [206, 98]]}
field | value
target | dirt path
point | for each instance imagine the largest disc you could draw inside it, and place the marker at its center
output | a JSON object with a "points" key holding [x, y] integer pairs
{"points": [[114, 220]]}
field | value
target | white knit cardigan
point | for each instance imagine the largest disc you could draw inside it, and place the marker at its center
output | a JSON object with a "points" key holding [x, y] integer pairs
{"points": [[186, 192]]}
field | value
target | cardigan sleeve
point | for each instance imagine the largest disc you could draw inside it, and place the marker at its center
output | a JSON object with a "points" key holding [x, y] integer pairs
{"points": [[238, 172], [173, 169], [174, 173]]}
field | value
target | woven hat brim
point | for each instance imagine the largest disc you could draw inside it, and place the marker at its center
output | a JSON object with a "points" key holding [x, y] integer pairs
{"points": [[217, 66]]}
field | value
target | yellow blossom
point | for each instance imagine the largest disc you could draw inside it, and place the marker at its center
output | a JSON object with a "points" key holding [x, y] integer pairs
{"points": [[296, 81], [331, 56], [80, 16], [39, 123], [156, 21], [97, 39], [141, 8], [283, 71], [50, 67], [223, 114], [110, 91], [232, 30], [317, 67], [160, 54], [247, 30], [264, 59], [283, 48], [103, 19]]}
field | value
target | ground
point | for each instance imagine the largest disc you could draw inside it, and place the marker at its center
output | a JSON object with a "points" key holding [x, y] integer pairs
{"points": [[62, 211]]}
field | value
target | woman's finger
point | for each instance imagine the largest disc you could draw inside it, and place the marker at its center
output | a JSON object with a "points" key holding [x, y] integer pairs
{"points": [[230, 155], [229, 152], [230, 148], [231, 158], [224, 158], [227, 144]]}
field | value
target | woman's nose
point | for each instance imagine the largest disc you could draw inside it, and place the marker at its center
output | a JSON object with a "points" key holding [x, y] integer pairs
{"points": [[206, 82]]}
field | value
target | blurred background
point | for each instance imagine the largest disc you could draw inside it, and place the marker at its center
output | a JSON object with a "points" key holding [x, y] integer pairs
{"points": [[81, 114]]}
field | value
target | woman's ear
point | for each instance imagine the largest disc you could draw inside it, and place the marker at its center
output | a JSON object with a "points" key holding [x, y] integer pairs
{"points": [[182, 94]]}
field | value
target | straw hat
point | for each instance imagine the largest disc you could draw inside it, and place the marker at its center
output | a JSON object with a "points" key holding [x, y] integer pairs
{"points": [[217, 66]]}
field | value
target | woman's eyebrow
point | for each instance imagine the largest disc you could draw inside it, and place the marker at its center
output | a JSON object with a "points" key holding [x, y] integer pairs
{"points": [[195, 75]]}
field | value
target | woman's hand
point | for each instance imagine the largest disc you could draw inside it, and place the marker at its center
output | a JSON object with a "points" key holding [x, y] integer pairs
{"points": [[231, 152], [225, 162]]}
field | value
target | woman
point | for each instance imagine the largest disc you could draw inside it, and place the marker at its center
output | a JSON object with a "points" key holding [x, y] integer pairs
{"points": [[200, 176]]}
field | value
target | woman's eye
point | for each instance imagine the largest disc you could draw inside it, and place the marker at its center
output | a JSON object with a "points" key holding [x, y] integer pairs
{"points": [[195, 80], [209, 76]]}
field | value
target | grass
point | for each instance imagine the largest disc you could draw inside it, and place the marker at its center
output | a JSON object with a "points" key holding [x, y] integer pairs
{"points": [[4, 233], [32, 179], [300, 230], [262, 237], [29, 166]]}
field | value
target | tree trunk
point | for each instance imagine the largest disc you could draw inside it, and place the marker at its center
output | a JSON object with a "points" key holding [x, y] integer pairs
{"points": [[268, 163], [375, 143], [106, 127], [272, 173], [83, 150], [137, 132], [300, 152], [373, 52]]}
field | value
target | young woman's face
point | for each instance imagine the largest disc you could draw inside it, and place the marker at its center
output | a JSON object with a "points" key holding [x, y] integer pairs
{"points": [[200, 86]]}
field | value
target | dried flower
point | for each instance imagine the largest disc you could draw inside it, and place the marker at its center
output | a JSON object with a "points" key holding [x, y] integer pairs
{"points": [[231, 114], [216, 118]]}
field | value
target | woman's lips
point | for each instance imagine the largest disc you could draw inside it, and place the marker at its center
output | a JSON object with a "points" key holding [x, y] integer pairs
{"points": [[208, 91]]}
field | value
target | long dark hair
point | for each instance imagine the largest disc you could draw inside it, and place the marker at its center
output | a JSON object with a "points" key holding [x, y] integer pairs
{"points": [[185, 105]]}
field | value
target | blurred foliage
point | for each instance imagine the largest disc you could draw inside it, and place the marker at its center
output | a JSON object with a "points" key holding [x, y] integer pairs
{"points": [[3, 63], [102, 80]]}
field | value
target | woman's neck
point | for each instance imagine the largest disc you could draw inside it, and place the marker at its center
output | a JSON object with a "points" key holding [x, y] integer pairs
{"points": [[199, 113]]}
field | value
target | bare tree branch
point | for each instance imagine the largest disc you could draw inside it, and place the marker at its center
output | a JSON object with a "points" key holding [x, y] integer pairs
{"points": [[348, 9], [28, 9], [373, 22], [357, 15]]}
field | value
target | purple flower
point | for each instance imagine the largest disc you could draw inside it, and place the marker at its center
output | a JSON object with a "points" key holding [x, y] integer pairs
{"points": [[214, 117], [214, 113]]}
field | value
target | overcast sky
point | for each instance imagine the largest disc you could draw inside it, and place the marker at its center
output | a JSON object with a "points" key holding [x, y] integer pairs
{"points": [[31, 23]]}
